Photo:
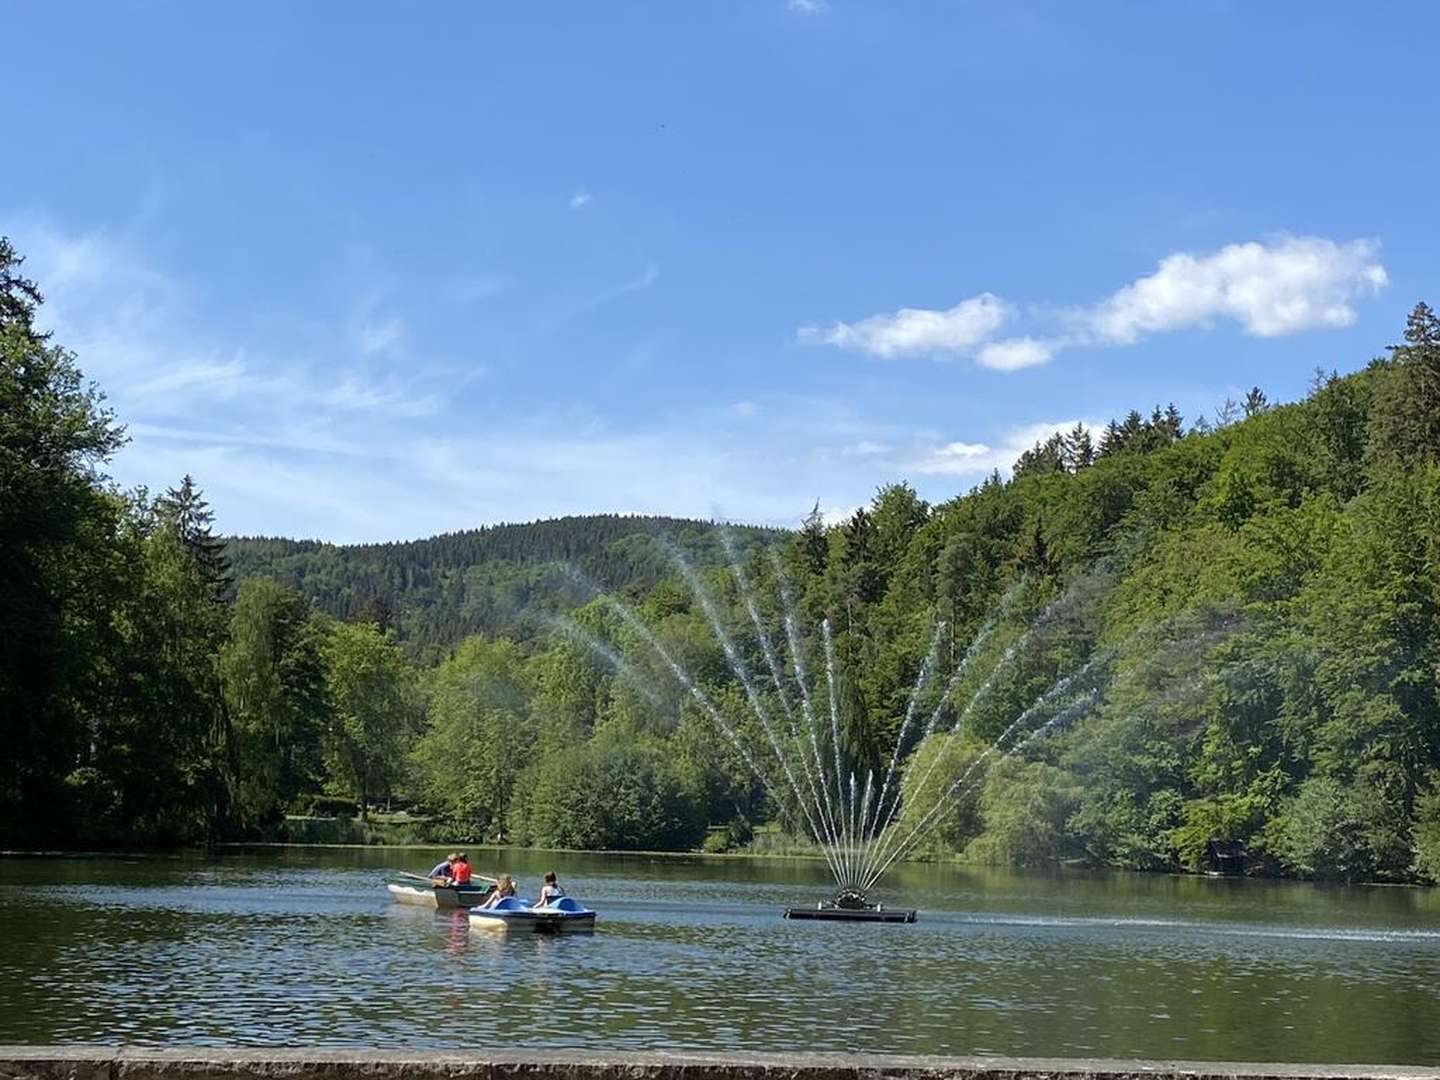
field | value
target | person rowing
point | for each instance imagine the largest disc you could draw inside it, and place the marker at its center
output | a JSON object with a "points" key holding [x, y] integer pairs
{"points": [[444, 869]]}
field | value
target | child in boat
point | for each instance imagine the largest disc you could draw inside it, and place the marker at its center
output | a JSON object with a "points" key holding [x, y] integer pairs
{"points": [[460, 869], [443, 869], [550, 891], [503, 888]]}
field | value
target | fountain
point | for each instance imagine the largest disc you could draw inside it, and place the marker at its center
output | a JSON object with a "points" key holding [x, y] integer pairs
{"points": [[856, 828]]}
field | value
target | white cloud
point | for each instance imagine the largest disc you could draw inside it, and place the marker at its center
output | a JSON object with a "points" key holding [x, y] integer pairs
{"points": [[980, 459], [808, 7], [918, 331], [1282, 286], [1014, 354], [581, 199], [745, 408], [1271, 289]]}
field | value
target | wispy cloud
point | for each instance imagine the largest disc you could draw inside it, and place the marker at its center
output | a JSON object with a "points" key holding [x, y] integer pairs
{"points": [[303, 432], [1269, 289], [808, 7], [866, 448], [581, 199], [144, 338], [376, 337]]}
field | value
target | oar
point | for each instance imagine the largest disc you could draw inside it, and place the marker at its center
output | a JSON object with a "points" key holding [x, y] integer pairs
{"points": [[422, 877]]}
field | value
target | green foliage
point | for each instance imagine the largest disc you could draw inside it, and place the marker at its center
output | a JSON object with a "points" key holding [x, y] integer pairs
{"points": [[1427, 834], [375, 710], [607, 794], [273, 673], [1350, 832], [1405, 421], [497, 581], [479, 737], [1025, 807], [56, 555]]}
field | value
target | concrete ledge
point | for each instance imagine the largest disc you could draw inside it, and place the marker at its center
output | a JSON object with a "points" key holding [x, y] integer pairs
{"points": [[102, 1063]]}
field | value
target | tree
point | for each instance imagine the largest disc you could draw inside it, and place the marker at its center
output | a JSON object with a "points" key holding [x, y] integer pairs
{"points": [[813, 546], [609, 794], [167, 749], [478, 739], [375, 709], [1255, 402], [1405, 418], [273, 676], [1042, 459], [185, 510], [1079, 448], [57, 530]]}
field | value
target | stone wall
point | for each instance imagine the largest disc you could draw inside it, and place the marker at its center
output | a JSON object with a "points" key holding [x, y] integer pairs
{"points": [[99, 1063]]}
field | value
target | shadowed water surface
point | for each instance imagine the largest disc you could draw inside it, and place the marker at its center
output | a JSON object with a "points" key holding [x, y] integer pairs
{"points": [[302, 947]]}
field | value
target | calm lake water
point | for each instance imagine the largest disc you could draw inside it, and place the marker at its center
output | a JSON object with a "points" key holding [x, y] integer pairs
{"points": [[302, 947]]}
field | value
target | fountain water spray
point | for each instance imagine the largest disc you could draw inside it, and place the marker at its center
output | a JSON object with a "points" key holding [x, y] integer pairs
{"points": [[851, 819]]}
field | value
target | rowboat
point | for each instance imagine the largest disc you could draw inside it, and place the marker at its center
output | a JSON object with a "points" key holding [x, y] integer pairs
{"points": [[512, 914], [438, 896]]}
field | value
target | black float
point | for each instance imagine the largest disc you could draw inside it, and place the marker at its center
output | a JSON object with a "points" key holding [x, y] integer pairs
{"points": [[851, 906]]}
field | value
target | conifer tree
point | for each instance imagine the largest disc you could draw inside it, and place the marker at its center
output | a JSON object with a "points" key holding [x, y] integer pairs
{"points": [[1405, 418], [1255, 402]]}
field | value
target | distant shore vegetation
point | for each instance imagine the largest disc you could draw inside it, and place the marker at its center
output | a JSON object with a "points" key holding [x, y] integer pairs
{"points": [[164, 685]]}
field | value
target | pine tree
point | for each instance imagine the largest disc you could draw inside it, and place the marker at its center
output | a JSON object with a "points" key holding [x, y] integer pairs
{"points": [[1405, 417], [1255, 402], [185, 510], [814, 547], [1111, 440], [1079, 448], [1174, 423]]}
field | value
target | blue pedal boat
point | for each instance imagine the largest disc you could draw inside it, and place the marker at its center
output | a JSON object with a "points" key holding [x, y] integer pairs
{"points": [[512, 914]]}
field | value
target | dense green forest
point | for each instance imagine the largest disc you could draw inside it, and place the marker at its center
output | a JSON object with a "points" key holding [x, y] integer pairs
{"points": [[499, 580], [1242, 613]]}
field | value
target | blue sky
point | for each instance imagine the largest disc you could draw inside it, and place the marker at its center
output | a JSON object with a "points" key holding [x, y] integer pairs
{"points": [[375, 272]]}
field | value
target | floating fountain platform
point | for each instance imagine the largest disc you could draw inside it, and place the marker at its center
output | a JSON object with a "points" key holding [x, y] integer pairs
{"points": [[851, 906]]}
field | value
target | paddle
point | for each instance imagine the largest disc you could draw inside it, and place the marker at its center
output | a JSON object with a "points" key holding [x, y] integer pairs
{"points": [[431, 881]]}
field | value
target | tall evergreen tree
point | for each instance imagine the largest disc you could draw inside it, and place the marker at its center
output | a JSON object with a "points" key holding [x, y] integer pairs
{"points": [[57, 529], [1405, 419]]}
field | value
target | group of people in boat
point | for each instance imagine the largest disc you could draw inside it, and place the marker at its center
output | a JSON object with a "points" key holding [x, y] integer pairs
{"points": [[454, 869]]}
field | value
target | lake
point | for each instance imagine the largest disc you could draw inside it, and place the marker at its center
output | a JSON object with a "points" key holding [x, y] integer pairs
{"points": [[303, 947]]}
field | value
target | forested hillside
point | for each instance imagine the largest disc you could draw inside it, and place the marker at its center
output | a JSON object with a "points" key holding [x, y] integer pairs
{"points": [[501, 579], [1152, 639]]}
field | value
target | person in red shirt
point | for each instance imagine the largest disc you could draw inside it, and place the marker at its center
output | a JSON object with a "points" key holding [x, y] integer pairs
{"points": [[460, 869]]}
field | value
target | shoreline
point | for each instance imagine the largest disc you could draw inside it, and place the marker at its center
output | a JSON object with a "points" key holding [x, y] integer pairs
{"points": [[1059, 868]]}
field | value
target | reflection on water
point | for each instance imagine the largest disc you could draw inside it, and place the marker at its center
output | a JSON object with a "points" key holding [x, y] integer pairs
{"points": [[304, 948]]}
